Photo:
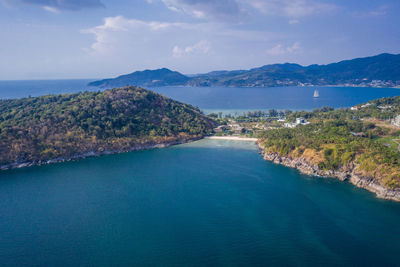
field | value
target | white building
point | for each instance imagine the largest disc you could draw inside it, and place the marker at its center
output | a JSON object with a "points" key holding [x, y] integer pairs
{"points": [[302, 121], [299, 121], [385, 106]]}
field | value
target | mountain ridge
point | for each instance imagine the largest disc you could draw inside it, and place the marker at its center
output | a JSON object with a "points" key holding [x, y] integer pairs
{"points": [[381, 70]]}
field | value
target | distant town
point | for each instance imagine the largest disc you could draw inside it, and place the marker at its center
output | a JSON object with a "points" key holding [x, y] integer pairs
{"points": [[363, 83]]}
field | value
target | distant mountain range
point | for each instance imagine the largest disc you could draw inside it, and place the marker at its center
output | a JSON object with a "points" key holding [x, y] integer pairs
{"points": [[377, 71]]}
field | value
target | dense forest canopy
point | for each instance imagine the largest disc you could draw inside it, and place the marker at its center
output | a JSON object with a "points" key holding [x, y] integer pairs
{"points": [[37, 129]]}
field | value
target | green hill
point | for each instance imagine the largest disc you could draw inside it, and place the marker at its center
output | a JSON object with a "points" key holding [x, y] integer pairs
{"points": [[160, 77], [59, 127]]}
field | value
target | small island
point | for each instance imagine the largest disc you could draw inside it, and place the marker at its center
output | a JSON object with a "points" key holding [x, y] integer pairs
{"points": [[54, 128]]}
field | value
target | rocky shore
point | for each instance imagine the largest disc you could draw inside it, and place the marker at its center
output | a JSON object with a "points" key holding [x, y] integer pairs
{"points": [[17, 165], [348, 173]]}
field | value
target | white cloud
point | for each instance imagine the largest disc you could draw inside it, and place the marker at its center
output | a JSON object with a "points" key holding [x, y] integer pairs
{"points": [[240, 8], [280, 49], [51, 9], [202, 47], [291, 8], [131, 44], [119, 29], [205, 8], [294, 21]]}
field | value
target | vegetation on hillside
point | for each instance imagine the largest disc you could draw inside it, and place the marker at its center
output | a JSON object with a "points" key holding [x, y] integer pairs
{"points": [[344, 139], [37, 129], [382, 109]]}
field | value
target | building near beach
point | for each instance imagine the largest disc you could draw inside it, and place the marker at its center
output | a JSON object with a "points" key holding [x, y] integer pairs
{"points": [[299, 121]]}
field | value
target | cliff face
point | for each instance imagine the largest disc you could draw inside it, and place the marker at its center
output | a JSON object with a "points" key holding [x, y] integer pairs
{"points": [[345, 173]]}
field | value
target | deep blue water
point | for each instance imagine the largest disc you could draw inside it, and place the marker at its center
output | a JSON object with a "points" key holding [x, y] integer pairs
{"points": [[234, 99], [25, 88], [208, 203], [227, 99]]}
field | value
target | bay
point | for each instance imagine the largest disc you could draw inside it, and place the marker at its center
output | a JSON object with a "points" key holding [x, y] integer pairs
{"points": [[210, 202]]}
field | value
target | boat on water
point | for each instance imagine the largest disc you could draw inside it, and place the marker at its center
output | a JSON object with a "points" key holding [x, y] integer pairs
{"points": [[316, 94]]}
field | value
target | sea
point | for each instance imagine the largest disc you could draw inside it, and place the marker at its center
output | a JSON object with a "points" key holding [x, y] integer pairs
{"points": [[206, 203], [229, 100]]}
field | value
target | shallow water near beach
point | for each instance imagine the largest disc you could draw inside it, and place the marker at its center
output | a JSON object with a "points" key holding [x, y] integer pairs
{"points": [[210, 202]]}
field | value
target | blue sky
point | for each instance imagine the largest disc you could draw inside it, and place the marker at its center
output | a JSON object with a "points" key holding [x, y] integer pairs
{"points": [[49, 39]]}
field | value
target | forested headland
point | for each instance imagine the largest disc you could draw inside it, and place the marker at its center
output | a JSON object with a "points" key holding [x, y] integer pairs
{"points": [[37, 130], [359, 145]]}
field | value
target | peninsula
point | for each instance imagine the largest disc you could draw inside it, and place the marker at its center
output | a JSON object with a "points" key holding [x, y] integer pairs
{"points": [[360, 144], [52, 128]]}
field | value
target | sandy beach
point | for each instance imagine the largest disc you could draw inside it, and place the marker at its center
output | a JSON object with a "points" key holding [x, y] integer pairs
{"points": [[234, 138]]}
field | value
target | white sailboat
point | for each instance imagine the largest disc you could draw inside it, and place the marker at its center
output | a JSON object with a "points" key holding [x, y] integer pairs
{"points": [[316, 94]]}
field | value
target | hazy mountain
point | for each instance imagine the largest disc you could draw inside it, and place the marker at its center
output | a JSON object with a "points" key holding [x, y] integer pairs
{"points": [[159, 77], [381, 70]]}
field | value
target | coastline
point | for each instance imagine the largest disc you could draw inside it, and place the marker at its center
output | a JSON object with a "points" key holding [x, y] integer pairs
{"points": [[18, 165], [349, 174]]}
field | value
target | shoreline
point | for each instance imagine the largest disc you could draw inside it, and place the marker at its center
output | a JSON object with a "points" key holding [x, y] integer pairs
{"points": [[301, 164], [89, 154], [232, 138], [345, 175]]}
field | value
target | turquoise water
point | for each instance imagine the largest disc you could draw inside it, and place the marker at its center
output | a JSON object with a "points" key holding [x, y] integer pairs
{"points": [[206, 203]]}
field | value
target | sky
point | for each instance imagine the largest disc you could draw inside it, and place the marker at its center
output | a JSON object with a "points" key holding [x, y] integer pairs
{"points": [[64, 39]]}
